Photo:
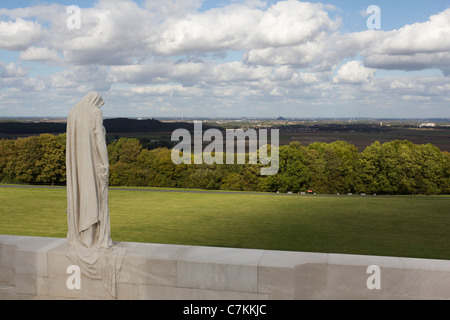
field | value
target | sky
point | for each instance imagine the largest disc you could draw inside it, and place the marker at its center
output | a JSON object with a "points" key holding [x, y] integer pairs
{"points": [[227, 58]]}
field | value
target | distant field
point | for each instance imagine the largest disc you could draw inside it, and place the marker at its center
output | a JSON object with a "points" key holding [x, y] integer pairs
{"points": [[438, 137], [405, 226]]}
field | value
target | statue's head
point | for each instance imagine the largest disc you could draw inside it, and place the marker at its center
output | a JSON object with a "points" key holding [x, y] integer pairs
{"points": [[94, 99]]}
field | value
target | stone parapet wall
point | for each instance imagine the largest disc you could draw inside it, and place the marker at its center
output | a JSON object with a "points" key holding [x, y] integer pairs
{"points": [[36, 268]]}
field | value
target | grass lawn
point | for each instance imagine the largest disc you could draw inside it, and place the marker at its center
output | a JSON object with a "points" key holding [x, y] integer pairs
{"points": [[406, 226]]}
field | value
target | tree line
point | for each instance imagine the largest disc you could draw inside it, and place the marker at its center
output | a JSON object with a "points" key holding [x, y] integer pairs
{"points": [[395, 167]]}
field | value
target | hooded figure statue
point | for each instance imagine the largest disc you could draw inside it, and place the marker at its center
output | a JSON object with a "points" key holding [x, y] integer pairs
{"points": [[87, 173]]}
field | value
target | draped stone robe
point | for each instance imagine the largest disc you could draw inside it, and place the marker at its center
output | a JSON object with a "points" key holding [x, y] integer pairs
{"points": [[87, 168]]}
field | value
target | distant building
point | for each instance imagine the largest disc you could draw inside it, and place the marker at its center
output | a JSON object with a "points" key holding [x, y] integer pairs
{"points": [[427, 125]]}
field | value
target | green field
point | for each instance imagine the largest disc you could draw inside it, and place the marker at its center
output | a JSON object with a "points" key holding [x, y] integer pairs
{"points": [[406, 226]]}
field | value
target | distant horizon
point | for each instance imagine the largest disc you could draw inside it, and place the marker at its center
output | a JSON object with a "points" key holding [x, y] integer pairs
{"points": [[245, 118]]}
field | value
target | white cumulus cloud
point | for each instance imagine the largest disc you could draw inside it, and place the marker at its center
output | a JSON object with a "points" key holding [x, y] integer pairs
{"points": [[18, 34], [239, 27], [38, 54], [418, 46], [354, 72]]}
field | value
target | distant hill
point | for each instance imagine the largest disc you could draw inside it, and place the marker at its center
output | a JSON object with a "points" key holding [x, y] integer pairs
{"points": [[117, 125], [31, 127], [124, 125]]}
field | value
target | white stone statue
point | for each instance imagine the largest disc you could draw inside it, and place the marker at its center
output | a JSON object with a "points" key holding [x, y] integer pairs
{"points": [[87, 171]]}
